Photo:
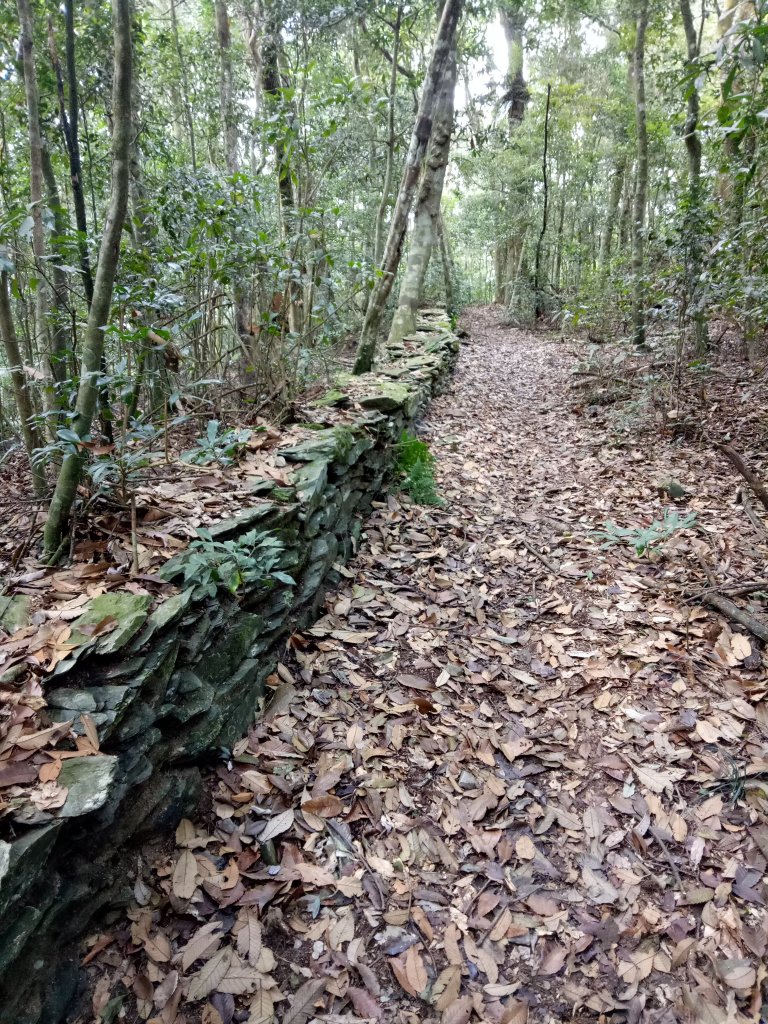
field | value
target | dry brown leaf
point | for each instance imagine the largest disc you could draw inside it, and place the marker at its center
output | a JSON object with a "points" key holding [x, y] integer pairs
{"points": [[185, 876], [302, 1003], [364, 1003], [210, 975], [277, 825], [525, 848], [459, 1011]]}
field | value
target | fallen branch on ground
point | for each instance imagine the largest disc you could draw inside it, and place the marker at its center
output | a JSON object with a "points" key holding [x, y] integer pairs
{"points": [[758, 627], [746, 471]]}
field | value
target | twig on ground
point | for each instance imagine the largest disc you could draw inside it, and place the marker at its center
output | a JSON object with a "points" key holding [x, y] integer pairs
{"points": [[752, 516], [537, 554], [656, 833]]}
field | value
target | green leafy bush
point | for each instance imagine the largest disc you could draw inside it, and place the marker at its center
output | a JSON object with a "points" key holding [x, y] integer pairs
{"points": [[415, 468], [209, 564], [217, 445]]}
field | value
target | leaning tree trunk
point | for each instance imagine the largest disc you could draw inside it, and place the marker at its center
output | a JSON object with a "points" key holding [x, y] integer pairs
{"points": [[691, 224], [641, 183], [422, 130], [109, 254], [427, 212], [21, 394]]}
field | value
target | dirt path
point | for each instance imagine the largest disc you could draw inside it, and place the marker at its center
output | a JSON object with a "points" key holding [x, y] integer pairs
{"points": [[480, 782]]}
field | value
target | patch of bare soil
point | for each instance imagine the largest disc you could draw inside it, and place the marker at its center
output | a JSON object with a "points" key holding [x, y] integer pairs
{"points": [[512, 774]]}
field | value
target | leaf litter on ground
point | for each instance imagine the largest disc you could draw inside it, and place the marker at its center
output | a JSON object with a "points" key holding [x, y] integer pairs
{"points": [[486, 791]]}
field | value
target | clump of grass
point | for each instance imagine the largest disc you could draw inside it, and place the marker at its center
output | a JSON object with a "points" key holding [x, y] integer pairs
{"points": [[415, 469]]}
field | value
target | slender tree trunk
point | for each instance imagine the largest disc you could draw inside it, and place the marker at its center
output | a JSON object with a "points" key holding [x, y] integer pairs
{"points": [[449, 270], [21, 394], [612, 216], [538, 297], [109, 253], [381, 213], [422, 131], [61, 335], [559, 249], [35, 174], [691, 224], [274, 100], [69, 112], [226, 90], [184, 85], [641, 184], [427, 211]]}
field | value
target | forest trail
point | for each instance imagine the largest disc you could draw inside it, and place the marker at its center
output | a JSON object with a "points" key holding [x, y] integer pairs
{"points": [[484, 770]]}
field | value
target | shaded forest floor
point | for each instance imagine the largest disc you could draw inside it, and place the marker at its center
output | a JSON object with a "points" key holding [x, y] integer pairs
{"points": [[511, 774]]}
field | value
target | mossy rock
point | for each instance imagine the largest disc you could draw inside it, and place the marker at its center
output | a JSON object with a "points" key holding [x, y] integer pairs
{"points": [[129, 612], [389, 396], [331, 398]]}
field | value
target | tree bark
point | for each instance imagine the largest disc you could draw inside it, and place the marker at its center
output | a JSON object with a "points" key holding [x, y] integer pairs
{"points": [[612, 216], [184, 85], [109, 253], [21, 394], [537, 288], [35, 173], [691, 223], [420, 137], [70, 123], [226, 89], [641, 183], [61, 335], [449, 271], [427, 211], [381, 213], [274, 100]]}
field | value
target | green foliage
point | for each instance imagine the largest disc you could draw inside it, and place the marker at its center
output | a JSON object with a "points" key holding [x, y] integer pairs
{"points": [[415, 468], [642, 538], [217, 445], [210, 564]]}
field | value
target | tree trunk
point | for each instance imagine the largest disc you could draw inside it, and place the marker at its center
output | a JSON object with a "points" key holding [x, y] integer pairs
{"points": [[184, 85], [559, 249], [226, 91], [427, 211], [19, 382], [275, 102], [449, 271], [109, 253], [422, 130], [691, 223], [35, 174], [70, 123], [612, 216], [381, 213], [61, 336], [517, 95], [537, 286], [641, 183]]}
